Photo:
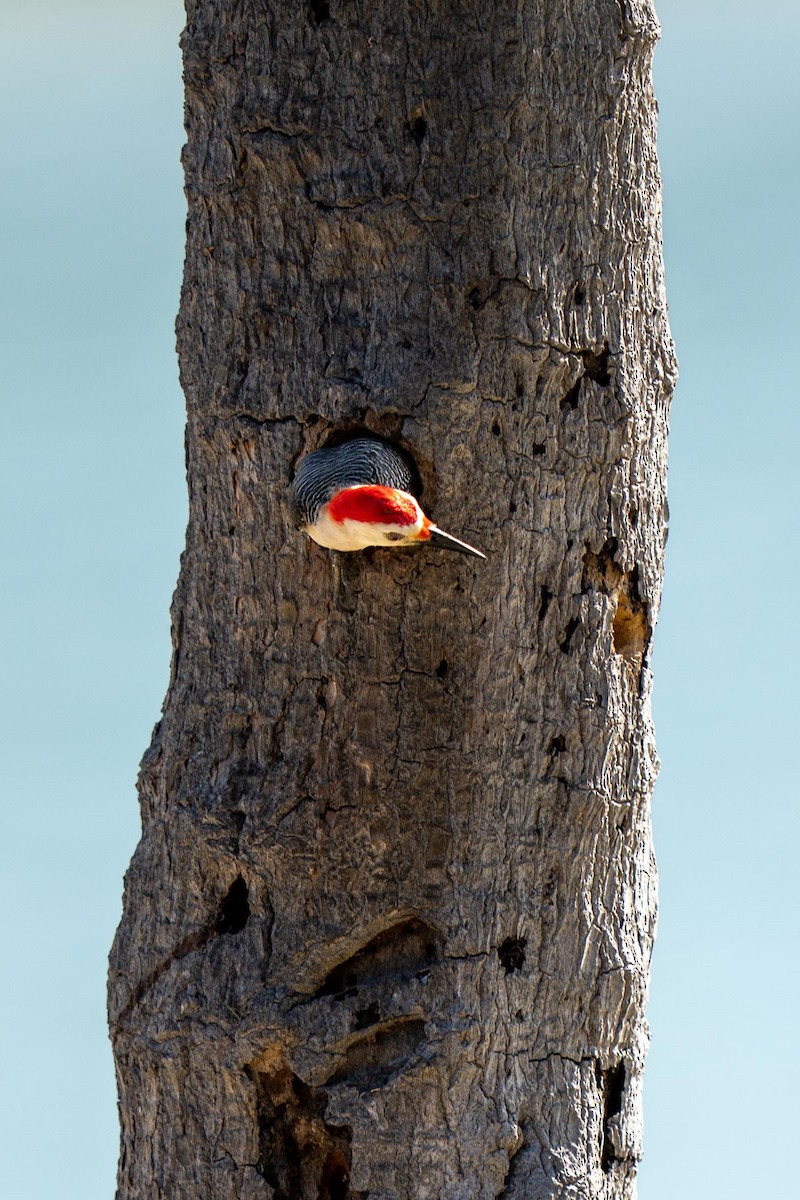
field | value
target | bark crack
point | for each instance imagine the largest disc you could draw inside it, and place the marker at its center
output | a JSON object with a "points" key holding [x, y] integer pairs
{"points": [[301, 1155], [231, 918]]}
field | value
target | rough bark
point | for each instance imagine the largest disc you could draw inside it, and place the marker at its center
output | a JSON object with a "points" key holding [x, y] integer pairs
{"points": [[388, 927]]}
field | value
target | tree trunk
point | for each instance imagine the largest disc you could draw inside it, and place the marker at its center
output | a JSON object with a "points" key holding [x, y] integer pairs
{"points": [[388, 928]]}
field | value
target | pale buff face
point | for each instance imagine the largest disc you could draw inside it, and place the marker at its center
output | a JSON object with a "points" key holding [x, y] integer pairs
{"points": [[358, 535]]}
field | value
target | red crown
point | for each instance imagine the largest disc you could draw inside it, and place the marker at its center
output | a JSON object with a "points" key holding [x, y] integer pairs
{"points": [[375, 505]]}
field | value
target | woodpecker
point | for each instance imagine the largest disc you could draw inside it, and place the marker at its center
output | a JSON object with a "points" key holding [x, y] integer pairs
{"points": [[358, 494]]}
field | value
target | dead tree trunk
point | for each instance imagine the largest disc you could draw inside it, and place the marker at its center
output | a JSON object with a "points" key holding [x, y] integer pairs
{"points": [[388, 928]]}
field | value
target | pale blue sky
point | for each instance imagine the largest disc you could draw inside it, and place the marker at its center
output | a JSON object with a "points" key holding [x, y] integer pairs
{"points": [[94, 510]]}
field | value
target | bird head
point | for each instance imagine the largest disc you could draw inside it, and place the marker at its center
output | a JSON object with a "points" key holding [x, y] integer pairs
{"points": [[373, 515]]}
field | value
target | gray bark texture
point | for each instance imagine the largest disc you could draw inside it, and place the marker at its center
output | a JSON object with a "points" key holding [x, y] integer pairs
{"points": [[388, 928]]}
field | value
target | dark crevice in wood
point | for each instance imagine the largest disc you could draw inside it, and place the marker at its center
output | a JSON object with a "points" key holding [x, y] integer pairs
{"points": [[596, 366], [570, 401], [612, 1088], [601, 571], [320, 11], [544, 604], [511, 953], [565, 646], [348, 994], [300, 1155], [334, 1184], [234, 912], [480, 294], [363, 1018], [403, 950], [512, 1171], [631, 628], [373, 1060], [418, 127]]}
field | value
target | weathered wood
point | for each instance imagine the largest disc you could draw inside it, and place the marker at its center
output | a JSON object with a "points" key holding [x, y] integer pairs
{"points": [[388, 928]]}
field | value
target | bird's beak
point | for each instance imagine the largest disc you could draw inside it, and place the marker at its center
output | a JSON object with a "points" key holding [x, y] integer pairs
{"points": [[447, 542]]}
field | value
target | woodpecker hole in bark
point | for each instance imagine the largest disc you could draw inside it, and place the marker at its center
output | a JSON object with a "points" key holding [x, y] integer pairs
{"points": [[299, 1155], [234, 912], [335, 1178], [406, 949], [612, 1087], [601, 571], [511, 953], [320, 11], [371, 1061], [631, 628], [596, 366], [570, 401], [417, 126]]}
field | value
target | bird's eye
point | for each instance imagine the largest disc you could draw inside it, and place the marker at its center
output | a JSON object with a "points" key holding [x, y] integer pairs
{"points": [[393, 537]]}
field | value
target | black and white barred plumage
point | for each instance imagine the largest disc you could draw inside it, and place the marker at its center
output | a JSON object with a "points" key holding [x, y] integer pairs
{"points": [[361, 461]]}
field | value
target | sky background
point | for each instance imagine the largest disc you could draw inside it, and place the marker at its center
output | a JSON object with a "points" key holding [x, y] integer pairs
{"points": [[93, 496]]}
